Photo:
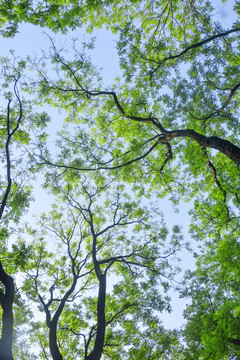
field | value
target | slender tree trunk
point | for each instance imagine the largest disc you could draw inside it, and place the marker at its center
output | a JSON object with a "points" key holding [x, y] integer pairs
{"points": [[101, 326], [56, 355], [6, 301], [52, 324]]}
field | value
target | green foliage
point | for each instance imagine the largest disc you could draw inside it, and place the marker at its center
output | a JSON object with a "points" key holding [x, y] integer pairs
{"points": [[213, 316], [20, 125], [62, 15], [169, 128]]}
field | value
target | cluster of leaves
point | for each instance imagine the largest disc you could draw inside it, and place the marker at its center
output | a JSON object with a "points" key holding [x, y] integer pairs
{"points": [[212, 328]]}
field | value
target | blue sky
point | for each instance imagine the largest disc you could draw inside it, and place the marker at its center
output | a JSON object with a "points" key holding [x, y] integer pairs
{"points": [[30, 39]]}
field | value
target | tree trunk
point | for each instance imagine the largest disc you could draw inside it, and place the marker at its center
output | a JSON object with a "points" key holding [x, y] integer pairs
{"points": [[6, 301], [101, 325], [56, 355]]}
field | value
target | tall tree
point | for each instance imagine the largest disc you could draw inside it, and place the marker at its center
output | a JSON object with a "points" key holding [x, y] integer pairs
{"points": [[101, 236], [16, 121]]}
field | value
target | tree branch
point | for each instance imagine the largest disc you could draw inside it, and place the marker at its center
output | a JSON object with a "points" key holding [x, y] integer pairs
{"points": [[213, 170], [7, 144], [194, 46]]}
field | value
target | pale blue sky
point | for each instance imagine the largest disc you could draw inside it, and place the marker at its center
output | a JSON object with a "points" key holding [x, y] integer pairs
{"points": [[30, 39]]}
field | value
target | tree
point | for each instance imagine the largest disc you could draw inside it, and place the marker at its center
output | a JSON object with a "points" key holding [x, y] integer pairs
{"points": [[170, 128], [16, 123], [102, 235], [32, 259], [126, 130]]}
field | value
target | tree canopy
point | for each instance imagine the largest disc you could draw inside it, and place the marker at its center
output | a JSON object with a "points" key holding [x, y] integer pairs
{"points": [[90, 278]]}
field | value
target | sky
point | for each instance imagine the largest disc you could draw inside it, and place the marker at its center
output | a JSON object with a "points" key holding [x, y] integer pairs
{"points": [[28, 42], [30, 39]]}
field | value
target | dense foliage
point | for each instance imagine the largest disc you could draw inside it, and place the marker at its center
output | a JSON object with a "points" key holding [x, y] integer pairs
{"points": [[90, 278]]}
